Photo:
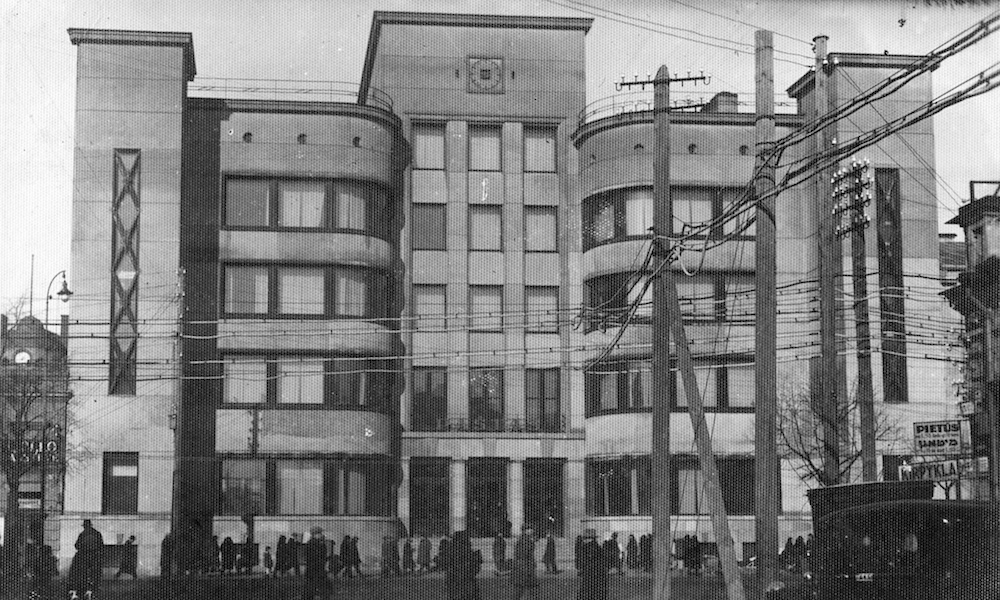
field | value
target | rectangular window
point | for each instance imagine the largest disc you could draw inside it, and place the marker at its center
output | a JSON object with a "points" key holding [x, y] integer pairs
{"points": [[351, 293], [486, 227], [697, 298], [640, 385], [608, 390], [692, 206], [246, 290], [248, 202], [300, 291], [618, 487], [123, 334], [351, 199], [486, 496], [346, 382], [429, 496], [736, 480], [299, 487], [541, 231], [244, 380], [706, 387], [638, 211], [741, 384], [121, 483], [429, 411], [428, 146], [301, 203], [542, 410], [541, 305], [740, 297], [243, 485], [539, 149], [430, 305], [429, 230], [300, 381], [543, 495], [486, 400], [356, 488], [690, 492], [484, 148], [486, 307]]}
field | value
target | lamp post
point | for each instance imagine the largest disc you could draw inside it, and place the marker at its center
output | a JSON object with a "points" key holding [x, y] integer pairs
{"points": [[64, 293]]}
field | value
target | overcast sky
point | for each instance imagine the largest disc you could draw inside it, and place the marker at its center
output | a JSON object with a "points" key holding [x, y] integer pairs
{"points": [[326, 40]]}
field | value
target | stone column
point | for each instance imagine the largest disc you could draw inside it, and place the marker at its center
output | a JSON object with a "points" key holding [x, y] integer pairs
{"points": [[403, 494], [457, 491], [515, 494]]}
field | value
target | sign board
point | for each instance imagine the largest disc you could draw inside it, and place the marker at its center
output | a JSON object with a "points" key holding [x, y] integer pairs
{"points": [[938, 437], [33, 452], [931, 471]]}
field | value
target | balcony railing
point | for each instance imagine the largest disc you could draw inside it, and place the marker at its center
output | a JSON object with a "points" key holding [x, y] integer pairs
{"points": [[287, 90], [509, 425]]}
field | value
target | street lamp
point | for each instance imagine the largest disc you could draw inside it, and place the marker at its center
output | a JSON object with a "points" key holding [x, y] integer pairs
{"points": [[64, 293]]}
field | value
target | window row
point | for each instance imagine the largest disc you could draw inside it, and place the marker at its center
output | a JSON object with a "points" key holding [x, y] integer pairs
{"points": [[305, 380], [628, 386], [304, 291], [485, 496], [485, 147], [362, 487], [542, 403], [486, 309], [628, 212], [310, 204], [429, 227], [621, 486], [725, 296]]}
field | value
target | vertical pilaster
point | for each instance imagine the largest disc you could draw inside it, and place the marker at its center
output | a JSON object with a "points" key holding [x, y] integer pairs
{"points": [[403, 495], [515, 493], [457, 491]]}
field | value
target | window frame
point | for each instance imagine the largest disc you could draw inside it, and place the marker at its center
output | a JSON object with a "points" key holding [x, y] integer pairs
{"points": [[529, 239], [547, 323], [475, 134], [437, 238], [492, 323], [440, 132], [544, 388], [487, 412], [551, 132], [434, 413], [120, 493], [477, 241]]}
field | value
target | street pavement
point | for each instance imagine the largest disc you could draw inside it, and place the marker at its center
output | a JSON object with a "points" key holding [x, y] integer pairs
{"points": [[563, 586]]}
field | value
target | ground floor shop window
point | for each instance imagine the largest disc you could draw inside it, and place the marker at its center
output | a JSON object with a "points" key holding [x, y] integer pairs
{"points": [[486, 497], [430, 496], [543, 495], [618, 486]]}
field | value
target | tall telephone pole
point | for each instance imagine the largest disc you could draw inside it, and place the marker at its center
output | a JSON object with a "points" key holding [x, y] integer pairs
{"points": [[766, 316], [666, 321]]}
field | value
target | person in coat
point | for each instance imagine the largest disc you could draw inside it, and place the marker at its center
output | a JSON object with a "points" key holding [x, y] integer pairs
{"points": [[441, 558], [127, 566], [166, 555], [316, 582], [228, 551], [408, 563], [523, 576], [631, 553], [577, 546], [424, 555], [463, 566], [294, 547], [499, 554], [612, 553], [390, 556], [694, 554], [593, 569], [549, 555], [43, 571], [89, 550]]}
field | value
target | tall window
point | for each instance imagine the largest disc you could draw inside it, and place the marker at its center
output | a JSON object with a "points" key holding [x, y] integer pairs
{"points": [[736, 480], [347, 382], [486, 227], [300, 291], [540, 149], [541, 232], [616, 487], [486, 496], [888, 200], [248, 202], [541, 305], [356, 487], [429, 231], [244, 380], [619, 386], [430, 305], [121, 483], [542, 410], [484, 148], [428, 146], [300, 381], [430, 399], [543, 495], [486, 307], [486, 400], [301, 203], [247, 289], [429, 496]]}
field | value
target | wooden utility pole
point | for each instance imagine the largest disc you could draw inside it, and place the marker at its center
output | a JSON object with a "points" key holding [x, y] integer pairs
{"points": [[852, 195], [829, 267], [663, 216], [766, 318]]}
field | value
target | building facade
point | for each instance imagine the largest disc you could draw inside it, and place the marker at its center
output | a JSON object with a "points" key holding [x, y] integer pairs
{"points": [[409, 306]]}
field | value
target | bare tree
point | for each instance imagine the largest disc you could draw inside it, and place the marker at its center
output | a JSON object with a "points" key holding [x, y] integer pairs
{"points": [[800, 434]]}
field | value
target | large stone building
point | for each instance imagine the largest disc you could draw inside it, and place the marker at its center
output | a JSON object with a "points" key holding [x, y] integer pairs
{"points": [[399, 306]]}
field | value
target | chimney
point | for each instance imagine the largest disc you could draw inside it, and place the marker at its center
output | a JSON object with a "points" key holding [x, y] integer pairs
{"points": [[64, 330], [3, 332]]}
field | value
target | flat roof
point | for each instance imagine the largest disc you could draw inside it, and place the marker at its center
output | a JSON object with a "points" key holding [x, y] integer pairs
{"points": [[139, 38], [854, 59]]}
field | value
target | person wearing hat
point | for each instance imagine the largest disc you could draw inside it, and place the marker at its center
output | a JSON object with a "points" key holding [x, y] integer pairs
{"points": [[593, 569], [316, 581], [523, 575], [89, 547]]}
